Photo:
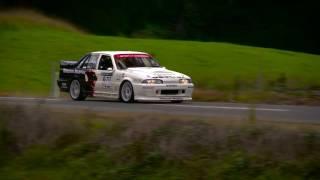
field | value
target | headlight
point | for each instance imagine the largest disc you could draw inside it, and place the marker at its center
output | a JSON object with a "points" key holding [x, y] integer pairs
{"points": [[185, 81], [152, 81]]}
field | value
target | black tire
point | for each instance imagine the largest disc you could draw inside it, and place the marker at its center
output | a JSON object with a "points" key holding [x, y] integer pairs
{"points": [[76, 90], [126, 92]]}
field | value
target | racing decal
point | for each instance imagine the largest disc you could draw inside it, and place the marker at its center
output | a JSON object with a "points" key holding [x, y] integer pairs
{"points": [[106, 73], [73, 71], [171, 85], [67, 70], [132, 56], [91, 81], [107, 79], [64, 85]]}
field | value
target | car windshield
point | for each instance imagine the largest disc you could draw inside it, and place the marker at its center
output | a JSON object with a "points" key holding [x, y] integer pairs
{"points": [[125, 61]]}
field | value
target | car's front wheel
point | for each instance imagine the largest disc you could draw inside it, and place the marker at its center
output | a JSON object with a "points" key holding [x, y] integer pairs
{"points": [[76, 91], [126, 92]]}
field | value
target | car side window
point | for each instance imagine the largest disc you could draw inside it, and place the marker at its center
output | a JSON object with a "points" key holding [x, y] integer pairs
{"points": [[83, 60], [105, 62], [90, 62]]}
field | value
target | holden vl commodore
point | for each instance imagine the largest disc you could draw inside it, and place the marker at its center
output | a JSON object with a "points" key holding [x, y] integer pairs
{"points": [[125, 75]]}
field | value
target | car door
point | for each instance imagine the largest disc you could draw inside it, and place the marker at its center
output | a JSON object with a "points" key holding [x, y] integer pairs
{"points": [[105, 77], [86, 73]]}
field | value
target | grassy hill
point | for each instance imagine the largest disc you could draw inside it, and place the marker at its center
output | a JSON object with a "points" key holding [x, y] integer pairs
{"points": [[32, 44]]}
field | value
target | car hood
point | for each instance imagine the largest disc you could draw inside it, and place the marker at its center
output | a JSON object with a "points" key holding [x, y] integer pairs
{"points": [[155, 72]]}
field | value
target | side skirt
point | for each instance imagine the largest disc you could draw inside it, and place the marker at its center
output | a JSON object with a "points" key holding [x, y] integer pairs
{"points": [[106, 95]]}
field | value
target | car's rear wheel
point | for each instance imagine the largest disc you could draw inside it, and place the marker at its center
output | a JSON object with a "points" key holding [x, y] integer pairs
{"points": [[126, 92], [76, 91]]}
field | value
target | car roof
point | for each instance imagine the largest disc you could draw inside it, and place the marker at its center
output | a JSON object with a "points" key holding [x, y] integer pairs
{"points": [[117, 52]]}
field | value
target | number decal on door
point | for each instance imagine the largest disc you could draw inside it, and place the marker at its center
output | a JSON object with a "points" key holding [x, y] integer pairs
{"points": [[106, 78]]}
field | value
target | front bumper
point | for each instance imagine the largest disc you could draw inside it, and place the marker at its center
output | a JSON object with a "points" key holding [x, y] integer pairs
{"points": [[163, 92], [63, 85]]}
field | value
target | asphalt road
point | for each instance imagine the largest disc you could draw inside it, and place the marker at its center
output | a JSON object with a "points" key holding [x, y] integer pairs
{"points": [[285, 113]]}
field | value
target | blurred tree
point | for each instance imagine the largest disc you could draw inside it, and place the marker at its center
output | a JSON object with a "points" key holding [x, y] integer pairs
{"points": [[289, 25]]}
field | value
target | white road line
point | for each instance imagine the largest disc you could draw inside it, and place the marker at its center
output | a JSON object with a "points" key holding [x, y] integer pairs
{"points": [[27, 98], [227, 107], [186, 106]]}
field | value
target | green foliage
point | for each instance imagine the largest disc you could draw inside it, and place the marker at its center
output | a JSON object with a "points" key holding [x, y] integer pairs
{"points": [[31, 49], [156, 148]]}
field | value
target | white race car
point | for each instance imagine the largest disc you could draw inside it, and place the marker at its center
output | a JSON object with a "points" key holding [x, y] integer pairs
{"points": [[125, 75]]}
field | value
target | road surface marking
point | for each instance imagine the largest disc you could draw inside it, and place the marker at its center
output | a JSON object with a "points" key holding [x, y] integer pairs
{"points": [[28, 98], [228, 107], [176, 105]]}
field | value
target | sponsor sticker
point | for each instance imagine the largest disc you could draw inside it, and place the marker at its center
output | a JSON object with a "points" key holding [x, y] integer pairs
{"points": [[132, 56], [106, 78], [171, 98], [172, 85]]}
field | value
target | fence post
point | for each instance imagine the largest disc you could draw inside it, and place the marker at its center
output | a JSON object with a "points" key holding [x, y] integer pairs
{"points": [[55, 91]]}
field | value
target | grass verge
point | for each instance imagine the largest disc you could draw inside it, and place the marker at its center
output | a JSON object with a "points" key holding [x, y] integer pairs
{"points": [[41, 143]]}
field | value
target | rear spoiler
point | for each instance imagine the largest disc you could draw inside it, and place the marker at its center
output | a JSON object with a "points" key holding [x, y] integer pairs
{"points": [[68, 64]]}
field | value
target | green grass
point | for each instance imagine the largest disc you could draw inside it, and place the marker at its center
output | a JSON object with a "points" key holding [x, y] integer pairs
{"points": [[39, 143], [30, 48]]}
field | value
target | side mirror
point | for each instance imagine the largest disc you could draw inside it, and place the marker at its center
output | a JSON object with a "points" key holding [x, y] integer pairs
{"points": [[109, 69]]}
